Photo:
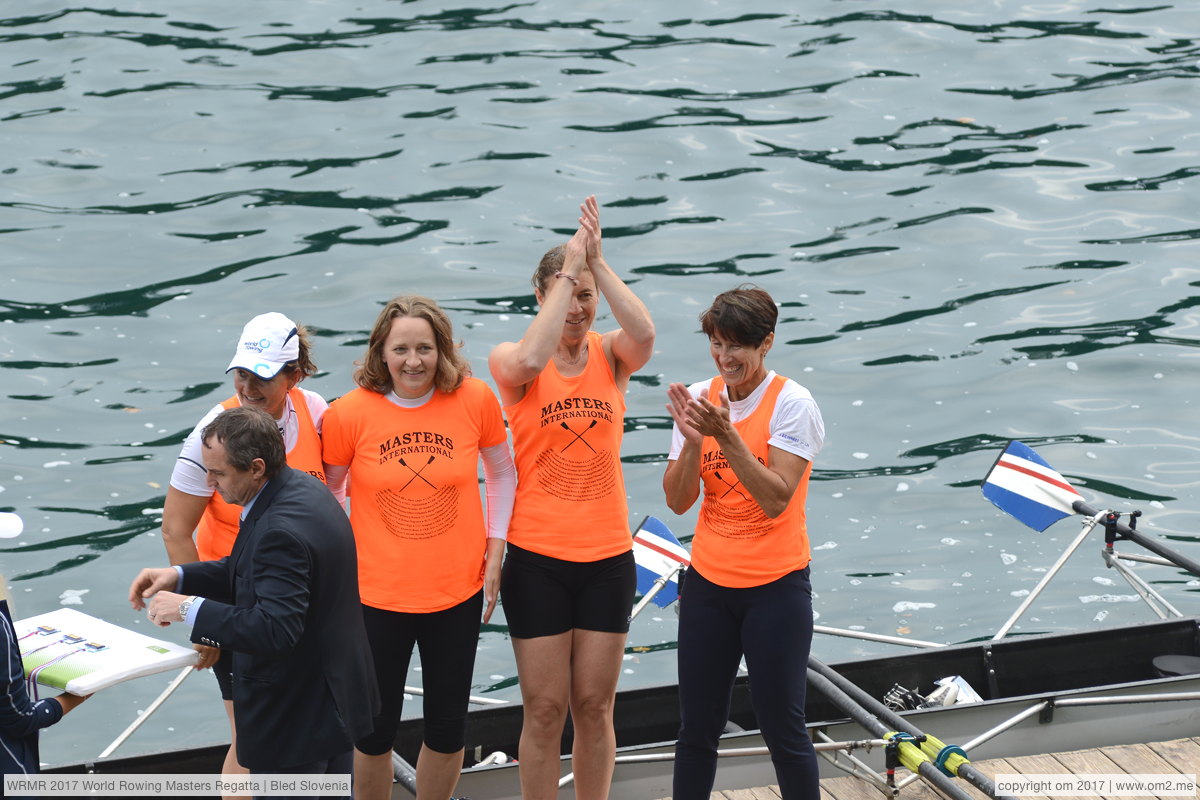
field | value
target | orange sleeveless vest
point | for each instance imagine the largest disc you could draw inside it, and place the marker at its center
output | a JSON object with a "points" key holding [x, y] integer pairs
{"points": [[219, 526], [736, 544], [567, 434]]}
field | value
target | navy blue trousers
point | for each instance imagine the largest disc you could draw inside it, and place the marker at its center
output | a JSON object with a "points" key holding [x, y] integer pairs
{"points": [[772, 626]]}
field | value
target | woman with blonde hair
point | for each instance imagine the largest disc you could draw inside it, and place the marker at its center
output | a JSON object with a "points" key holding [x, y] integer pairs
{"points": [[411, 436]]}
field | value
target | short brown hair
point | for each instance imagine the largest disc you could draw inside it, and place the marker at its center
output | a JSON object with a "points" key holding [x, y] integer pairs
{"points": [[452, 367], [247, 434], [745, 315]]}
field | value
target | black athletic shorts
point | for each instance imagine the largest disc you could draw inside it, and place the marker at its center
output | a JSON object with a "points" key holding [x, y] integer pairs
{"points": [[546, 596]]}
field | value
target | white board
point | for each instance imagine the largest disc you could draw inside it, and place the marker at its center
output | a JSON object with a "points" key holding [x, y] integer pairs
{"points": [[78, 653]]}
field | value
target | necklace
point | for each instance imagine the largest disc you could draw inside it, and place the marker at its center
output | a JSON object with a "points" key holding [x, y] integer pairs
{"points": [[572, 362]]}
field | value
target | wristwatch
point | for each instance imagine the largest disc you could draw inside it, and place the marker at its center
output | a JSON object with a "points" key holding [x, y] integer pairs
{"points": [[185, 605]]}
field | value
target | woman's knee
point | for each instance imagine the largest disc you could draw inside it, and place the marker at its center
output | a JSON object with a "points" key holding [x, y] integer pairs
{"points": [[785, 733], [592, 711], [445, 736], [545, 714]]}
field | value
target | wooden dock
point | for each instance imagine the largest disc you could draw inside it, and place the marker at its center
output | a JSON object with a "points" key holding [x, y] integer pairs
{"points": [[1181, 756]]}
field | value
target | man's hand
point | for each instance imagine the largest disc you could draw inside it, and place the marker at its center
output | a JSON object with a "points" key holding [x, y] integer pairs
{"points": [[208, 655], [164, 608], [149, 582]]}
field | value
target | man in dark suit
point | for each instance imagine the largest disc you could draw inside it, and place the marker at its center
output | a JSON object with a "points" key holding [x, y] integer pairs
{"points": [[285, 601]]}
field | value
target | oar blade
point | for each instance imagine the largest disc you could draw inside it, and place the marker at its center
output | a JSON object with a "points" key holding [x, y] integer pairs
{"points": [[657, 552], [1024, 486]]}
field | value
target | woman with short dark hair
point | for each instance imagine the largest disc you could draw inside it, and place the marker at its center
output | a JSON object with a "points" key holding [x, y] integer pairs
{"points": [[746, 439]]}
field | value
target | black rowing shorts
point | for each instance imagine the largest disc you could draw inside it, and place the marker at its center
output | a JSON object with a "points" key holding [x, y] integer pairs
{"points": [[546, 596]]}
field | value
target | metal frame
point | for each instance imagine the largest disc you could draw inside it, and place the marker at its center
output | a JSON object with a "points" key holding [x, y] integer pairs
{"points": [[1041, 706], [822, 748]]}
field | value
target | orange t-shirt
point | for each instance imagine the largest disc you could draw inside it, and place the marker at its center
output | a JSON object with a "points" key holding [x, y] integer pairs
{"points": [[736, 544], [416, 510], [219, 525], [567, 433]]}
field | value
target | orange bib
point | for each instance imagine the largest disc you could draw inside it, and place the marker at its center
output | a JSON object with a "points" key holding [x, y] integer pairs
{"points": [[218, 527], [736, 544], [567, 434]]}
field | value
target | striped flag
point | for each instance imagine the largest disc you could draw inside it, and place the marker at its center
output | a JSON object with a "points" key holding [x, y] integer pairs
{"points": [[657, 553], [1022, 484]]}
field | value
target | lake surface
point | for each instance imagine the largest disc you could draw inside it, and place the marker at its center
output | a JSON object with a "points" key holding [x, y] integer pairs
{"points": [[980, 220]]}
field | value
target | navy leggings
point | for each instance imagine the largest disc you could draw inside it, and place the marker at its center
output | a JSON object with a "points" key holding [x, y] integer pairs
{"points": [[772, 626]]}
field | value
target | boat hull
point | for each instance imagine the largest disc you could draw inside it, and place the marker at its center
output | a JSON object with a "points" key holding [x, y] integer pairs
{"points": [[1065, 728], [1011, 675]]}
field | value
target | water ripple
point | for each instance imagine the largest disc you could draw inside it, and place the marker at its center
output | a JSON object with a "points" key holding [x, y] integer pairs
{"points": [[973, 216], [1036, 29], [1144, 184], [265, 197], [1173, 236], [686, 117], [1099, 336], [1183, 66], [948, 306], [305, 166]]}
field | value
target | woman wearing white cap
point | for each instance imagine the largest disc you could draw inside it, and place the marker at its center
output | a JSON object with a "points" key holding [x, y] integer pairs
{"points": [[272, 356]]}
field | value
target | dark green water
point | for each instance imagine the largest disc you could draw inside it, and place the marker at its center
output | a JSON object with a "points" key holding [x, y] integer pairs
{"points": [[980, 219]]}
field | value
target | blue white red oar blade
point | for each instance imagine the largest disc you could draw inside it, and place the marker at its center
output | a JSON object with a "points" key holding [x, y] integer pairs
{"points": [[1023, 485], [657, 552]]}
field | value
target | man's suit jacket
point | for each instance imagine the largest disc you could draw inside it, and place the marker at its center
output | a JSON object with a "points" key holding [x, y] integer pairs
{"points": [[285, 601]]}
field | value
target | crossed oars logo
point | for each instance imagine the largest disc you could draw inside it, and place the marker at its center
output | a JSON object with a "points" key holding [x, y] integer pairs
{"points": [[417, 473], [578, 436], [733, 487]]}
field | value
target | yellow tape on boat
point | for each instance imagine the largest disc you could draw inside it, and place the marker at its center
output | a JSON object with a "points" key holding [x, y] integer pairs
{"points": [[947, 758], [911, 756]]}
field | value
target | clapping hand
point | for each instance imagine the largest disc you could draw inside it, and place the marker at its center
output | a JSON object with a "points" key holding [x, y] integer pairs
{"points": [[697, 418]]}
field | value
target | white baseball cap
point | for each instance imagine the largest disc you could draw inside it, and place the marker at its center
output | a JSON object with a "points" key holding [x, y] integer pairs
{"points": [[268, 343]]}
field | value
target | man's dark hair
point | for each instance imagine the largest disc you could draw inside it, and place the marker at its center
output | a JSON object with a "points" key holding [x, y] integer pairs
{"points": [[745, 315], [247, 434]]}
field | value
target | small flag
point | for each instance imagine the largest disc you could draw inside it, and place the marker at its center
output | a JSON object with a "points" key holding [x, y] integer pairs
{"points": [[1022, 484], [657, 553]]}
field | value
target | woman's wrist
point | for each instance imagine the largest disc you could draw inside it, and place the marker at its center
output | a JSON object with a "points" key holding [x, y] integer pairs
{"points": [[726, 436]]}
